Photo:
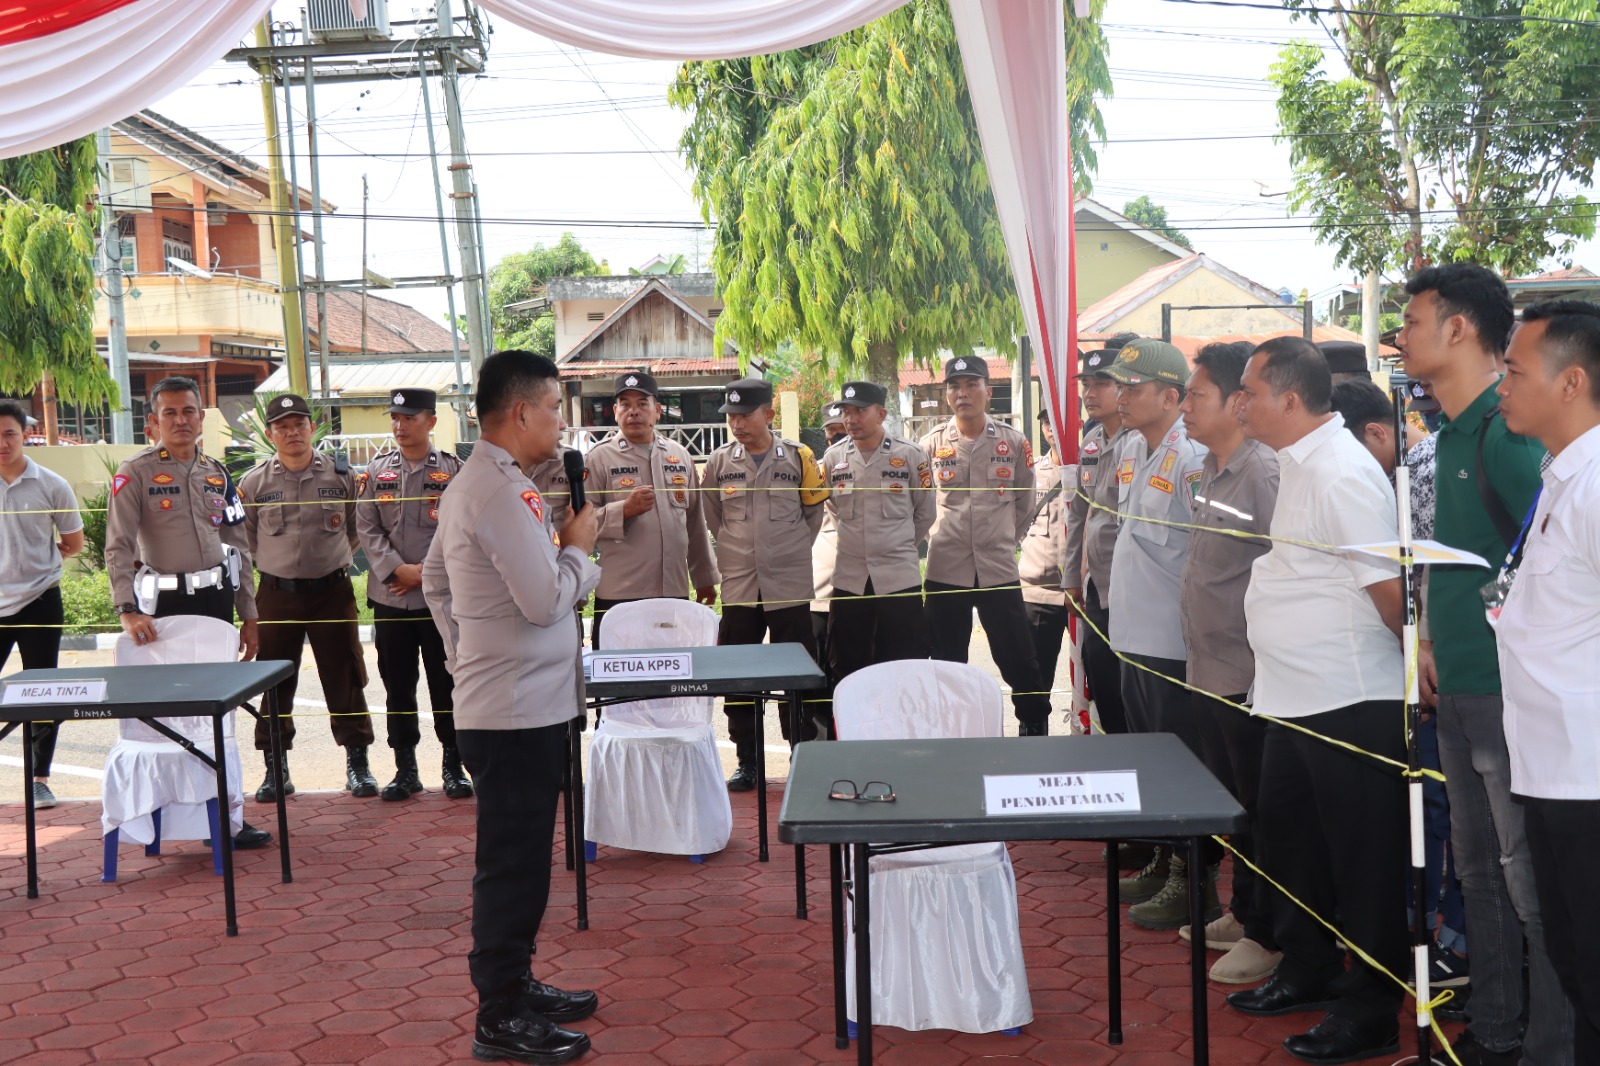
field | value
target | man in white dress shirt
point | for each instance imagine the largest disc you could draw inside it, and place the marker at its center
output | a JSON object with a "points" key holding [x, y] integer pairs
{"points": [[1547, 634], [1322, 623]]}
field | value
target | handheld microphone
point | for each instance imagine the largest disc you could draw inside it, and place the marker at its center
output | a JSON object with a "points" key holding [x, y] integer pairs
{"points": [[572, 462]]}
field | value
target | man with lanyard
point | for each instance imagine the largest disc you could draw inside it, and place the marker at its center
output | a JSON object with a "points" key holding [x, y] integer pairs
{"points": [[1158, 471], [983, 472], [653, 537], [1043, 546], [1548, 630], [1456, 327], [175, 536], [396, 520], [301, 523], [39, 528], [881, 504], [764, 507]]}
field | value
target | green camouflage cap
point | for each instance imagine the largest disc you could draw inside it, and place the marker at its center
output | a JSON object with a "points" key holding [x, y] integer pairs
{"points": [[1147, 359]]}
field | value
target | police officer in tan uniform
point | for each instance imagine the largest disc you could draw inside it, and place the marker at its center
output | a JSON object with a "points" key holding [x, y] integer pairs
{"points": [[396, 520], [550, 478], [300, 517], [503, 598], [1043, 548], [983, 471], [880, 502], [763, 503], [653, 536], [175, 537]]}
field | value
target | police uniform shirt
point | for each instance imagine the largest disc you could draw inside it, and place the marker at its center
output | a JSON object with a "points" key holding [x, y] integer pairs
{"points": [[1045, 543], [301, 525], [659, 552], [502, 596], [174, 518], [1237, 498], [985, 494], [550, 478], [883, 505], [397, 516], [1092, 531], [1147, 569], [824, 554], [765, 517]]}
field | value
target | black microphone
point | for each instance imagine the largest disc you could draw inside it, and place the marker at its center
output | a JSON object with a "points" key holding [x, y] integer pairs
{"points": [[572, 462]]}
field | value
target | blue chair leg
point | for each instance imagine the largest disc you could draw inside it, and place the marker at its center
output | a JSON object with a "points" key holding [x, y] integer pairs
{"points": [[216, 836], [697, 858], [1017, 1031], [850, 1030], [154, 847], [109, 872], [589, 851]]}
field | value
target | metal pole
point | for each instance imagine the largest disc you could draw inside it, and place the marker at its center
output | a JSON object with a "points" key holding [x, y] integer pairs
{"points": [[294, 201], [483, 253], [1166, 323], [288, 283], [461, 181], [111, 263], [444, 252], [316, 221], [1371, 313], [1307, 322]]}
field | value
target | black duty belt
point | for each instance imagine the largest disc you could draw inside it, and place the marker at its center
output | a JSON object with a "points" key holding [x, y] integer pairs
{"points": [[305, 584]]}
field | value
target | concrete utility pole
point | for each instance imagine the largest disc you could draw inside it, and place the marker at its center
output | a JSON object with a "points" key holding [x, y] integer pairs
{"points": [[444, 255], [284, 235], [1371, 307], [461, 181], [111, 270]]}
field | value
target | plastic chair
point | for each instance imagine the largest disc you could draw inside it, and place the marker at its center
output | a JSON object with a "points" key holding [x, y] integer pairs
{"points": [[946, 942], [153, 789], [655, 779]]}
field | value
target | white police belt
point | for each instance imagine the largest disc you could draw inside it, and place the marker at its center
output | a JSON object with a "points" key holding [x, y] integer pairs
{"points": [[148, 584]]}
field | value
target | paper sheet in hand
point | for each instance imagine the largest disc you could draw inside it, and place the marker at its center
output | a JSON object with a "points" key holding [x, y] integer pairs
{"points": [[1063, 793], [1423, 552]]}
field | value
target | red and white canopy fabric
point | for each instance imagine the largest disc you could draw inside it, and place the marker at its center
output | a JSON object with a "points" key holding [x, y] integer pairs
{"points": [[70, 67]]}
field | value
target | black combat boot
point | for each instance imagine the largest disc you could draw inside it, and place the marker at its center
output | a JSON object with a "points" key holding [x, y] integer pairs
{"points": [[456, 784], [268, 792], [358, 779], [406, 782]]}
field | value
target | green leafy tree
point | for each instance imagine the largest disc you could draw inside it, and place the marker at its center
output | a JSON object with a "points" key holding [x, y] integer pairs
{"points": [[854, 215], [1459, 134], [522, 276], [48, 218], [1153, 216]]}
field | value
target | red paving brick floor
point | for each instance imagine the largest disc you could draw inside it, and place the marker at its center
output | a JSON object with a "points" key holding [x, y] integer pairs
{"points": [[362, 958]]}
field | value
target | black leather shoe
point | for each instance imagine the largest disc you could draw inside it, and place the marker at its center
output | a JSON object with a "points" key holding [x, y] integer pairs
{"points": [[525, 1037], [1279, 997], [556, 1004], [247, 839], [1335, 1040], [743, 779], [1033, 729]]}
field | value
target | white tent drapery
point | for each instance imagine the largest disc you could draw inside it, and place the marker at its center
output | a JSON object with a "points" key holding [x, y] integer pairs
{"points": [[70, 67]]}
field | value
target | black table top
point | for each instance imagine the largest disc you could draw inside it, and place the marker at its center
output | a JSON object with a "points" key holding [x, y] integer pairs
{"points": [[733, 669], [939, 785], [173, 691]]}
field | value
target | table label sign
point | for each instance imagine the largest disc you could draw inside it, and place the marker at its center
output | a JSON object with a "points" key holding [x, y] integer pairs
{"points": [[1063, 793], [651, 667], [40, 693]]}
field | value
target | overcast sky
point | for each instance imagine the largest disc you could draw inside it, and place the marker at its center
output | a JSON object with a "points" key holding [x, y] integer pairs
{"points": [[565, 139]]}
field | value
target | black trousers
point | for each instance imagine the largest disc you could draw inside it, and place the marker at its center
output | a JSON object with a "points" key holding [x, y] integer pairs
{"points": [[1331, 829], [517, 774], [400, 637], [863, 631], [327, 619], [602, 606], [752, 625], [1561, 843], [1048, 623], [1156, 705], [1005, 623], [35, 631], [1101, 667], [1232, 743]]}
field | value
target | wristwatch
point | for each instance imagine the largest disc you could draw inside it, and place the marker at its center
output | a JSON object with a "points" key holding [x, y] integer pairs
{"points": [[127, 608]]}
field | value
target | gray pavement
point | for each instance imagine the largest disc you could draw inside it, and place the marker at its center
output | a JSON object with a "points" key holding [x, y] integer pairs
{"points": [[316, 763]]}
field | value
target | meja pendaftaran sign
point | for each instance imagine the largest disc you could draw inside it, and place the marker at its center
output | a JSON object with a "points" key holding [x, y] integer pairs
{"points": [[1061, 793]]}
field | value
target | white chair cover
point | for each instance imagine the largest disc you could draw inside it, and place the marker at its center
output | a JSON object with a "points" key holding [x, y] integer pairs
{"points": [[145, 771], [946, 939], [655, 779]]}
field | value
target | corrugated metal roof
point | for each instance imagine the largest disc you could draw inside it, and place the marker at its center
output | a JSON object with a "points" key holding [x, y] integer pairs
{"points": [[376, 377]]}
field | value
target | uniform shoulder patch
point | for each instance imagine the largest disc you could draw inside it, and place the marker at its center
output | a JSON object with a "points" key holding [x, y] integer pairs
{"points": [[535, 503], [117, 482]]}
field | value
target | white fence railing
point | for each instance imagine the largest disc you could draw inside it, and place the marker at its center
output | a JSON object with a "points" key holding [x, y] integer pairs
{"points": [[361, 447], [699, 439]]}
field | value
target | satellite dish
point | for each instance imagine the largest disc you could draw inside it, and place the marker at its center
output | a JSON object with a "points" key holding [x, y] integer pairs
{"points": [[183, 266]]}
